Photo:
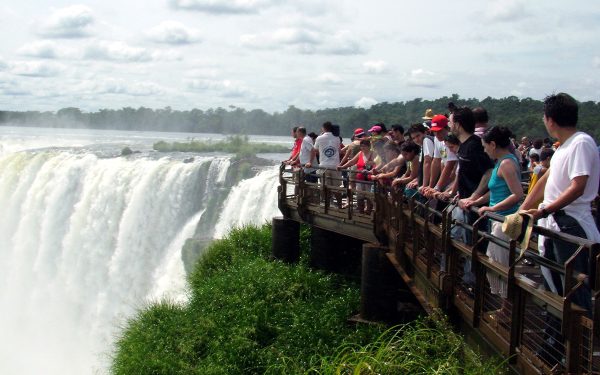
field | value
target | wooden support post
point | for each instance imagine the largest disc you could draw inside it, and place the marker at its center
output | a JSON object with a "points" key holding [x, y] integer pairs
{"points": [[286, 240], [479, 273], [378, 298], [573, 342]]}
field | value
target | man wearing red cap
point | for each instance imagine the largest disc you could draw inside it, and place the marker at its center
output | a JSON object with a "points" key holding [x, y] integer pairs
{"points": [[444, 160]]}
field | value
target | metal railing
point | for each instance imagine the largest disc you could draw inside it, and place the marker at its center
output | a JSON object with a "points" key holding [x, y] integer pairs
{"points": [[538, 330]]}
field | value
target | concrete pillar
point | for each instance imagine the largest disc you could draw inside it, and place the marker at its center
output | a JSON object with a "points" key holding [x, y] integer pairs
{"points": [[286, 240]]}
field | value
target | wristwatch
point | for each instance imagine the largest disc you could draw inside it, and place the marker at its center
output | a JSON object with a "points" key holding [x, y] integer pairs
{"points": [[545, 212]]}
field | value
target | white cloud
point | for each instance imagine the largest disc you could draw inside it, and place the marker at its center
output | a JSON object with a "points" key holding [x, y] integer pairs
{"points": [[424, 78], [202, 73], [223, 6], [305, 40], [173, 32], [506, 11], [375, 67], [291, 35], [596, 62], [329, 78], [71, 22], [10, 87], [365, 102], [36, 69], [43, 49], [116, 51], [225, 88], [120, 87], [301, 39], [3, 65], [344, 43]]}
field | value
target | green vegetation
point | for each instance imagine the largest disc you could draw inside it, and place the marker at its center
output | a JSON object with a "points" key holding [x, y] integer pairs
{"points": [[522, 116], [427, 346], [250, 315], [236, 144]]}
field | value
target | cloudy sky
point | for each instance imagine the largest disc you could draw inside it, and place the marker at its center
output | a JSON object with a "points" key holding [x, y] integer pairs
{"points": [[270, 54]]}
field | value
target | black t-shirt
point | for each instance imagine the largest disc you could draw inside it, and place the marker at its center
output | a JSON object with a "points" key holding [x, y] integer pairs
{"points": [[473, 162]]}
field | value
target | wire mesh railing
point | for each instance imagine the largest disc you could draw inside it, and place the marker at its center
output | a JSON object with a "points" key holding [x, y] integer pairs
{"points": [[510, 301]]}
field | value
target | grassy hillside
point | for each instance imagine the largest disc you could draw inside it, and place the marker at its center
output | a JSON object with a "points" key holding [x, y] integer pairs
{"points": [[250, 315]]}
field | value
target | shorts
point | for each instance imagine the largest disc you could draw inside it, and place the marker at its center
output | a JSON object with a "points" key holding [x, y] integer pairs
{"points": [[330, 177]]}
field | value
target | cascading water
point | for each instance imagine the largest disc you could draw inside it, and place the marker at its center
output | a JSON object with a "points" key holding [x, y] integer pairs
{"points": [[252, 201], [84, 242]]}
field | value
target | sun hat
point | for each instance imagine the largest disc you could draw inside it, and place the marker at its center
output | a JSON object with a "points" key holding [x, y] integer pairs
{"points": [[439, 122], [518, 227], [375, 129], [359, 132], [428, 114]]}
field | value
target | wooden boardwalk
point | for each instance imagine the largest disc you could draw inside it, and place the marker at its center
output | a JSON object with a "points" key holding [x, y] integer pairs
{"points": [[538, 331]]}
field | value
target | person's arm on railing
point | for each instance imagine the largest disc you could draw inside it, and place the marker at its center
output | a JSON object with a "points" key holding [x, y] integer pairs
{"points": [[481, 189], [436, 167], [346, 152], [427, 160], [575, 190], [350, 163], [509, 172], [396, 162], [446, 175], [414, 174], [313, 155], [380, 176], [292, 160]]}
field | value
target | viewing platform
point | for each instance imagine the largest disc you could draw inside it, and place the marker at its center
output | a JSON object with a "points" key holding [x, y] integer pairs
{"points": [[539, 332]]}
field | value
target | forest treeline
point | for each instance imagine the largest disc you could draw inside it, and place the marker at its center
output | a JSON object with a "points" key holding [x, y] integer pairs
{"points": [[523, 116]]}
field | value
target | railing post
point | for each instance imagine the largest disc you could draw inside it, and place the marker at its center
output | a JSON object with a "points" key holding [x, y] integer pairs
{"points": [[401, 235], [479, 273], [447, 278], [572, 333], [515, 295]]}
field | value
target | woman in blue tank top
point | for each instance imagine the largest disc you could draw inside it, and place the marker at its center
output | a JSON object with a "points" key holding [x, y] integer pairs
{"points": [[504, 195]]}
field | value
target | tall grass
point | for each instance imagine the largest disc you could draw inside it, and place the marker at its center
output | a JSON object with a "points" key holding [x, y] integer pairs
{"points": [[250, 315], [426, 346]]}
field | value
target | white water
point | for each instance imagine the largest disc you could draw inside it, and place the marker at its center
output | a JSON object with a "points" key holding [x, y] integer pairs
{"points": [[252, 201], [86, 241]]}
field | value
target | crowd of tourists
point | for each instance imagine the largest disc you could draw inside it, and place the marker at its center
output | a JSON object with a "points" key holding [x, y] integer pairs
{"points": [[456, 156]]}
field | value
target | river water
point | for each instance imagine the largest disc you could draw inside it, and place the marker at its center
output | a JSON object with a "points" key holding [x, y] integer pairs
{"points": [[87, 237]]}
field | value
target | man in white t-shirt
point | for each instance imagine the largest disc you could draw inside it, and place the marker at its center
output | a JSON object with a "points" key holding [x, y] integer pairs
{"points": [[305, 154], [444, 160], [419, 136], [328, 147], [568, 189]]}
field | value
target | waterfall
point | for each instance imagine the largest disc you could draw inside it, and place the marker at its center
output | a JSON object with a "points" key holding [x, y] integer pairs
{"points": [[252, 201], [84, 242]]}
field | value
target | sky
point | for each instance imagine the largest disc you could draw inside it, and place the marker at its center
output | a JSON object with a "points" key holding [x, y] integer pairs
{"points": [[272, 54]]}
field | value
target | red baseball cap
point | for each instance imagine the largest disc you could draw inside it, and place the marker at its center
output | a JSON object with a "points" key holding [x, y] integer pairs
{"points": [[439, 122], [358, 132]]}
